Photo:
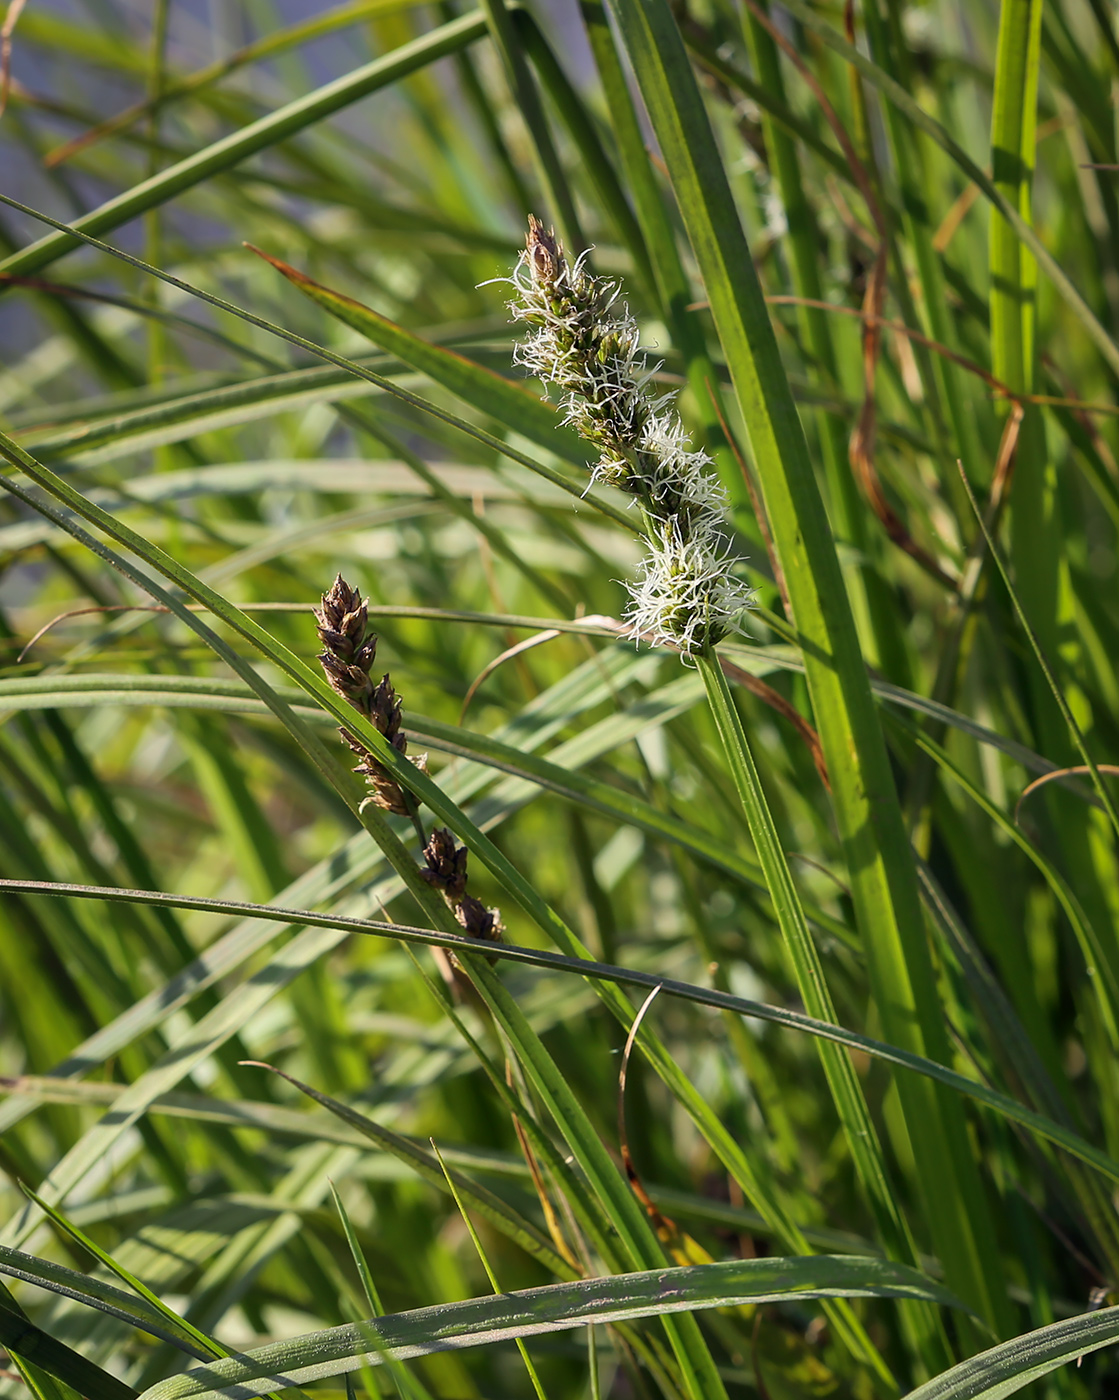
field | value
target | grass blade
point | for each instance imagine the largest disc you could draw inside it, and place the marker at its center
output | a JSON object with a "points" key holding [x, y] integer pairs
{"points": [[535, 1312], [258, 136], [879, 860], [1008, 1368]]}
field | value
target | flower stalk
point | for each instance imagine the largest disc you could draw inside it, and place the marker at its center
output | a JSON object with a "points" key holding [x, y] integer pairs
{"points": [[587, 346]]}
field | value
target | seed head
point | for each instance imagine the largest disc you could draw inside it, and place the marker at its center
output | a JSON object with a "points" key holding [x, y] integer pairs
{"points": [[445, 870], [349, 651], [446, 864], [587, 345]]}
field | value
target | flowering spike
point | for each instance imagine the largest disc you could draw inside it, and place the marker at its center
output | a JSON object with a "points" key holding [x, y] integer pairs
{"points": [[589, 348], [445, 870], [349, 651]]}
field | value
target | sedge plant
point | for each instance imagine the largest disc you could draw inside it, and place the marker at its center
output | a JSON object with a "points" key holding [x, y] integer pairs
{"points": [[747, 935]]}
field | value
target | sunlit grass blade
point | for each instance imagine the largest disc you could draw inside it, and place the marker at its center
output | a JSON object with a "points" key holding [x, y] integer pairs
{"points": [[511, 404], [92, 1292], [555, 1308], [1006, 1369], [633, 977], [880, 864], [258, 136]]}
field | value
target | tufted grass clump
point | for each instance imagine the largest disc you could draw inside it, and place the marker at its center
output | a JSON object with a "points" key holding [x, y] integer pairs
{"points": [[649, 928]]}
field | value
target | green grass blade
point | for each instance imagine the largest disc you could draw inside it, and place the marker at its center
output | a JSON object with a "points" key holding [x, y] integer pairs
{"points": [[178, 1330], [258, 136], [151, 1317], [847, 1094], [630, 977], [513, 406], [535, 1312], [25, 1341], [1013, 141], [1006, 1369], [879, 861]]}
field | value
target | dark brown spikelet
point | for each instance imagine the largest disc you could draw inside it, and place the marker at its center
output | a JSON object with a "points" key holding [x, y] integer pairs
{"points": [[349, 651], [477, 920], [387, 792], [446, 865], [342, 623], [445, 871]]}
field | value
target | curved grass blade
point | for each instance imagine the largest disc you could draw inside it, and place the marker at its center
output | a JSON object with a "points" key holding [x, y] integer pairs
{"points": [[102, 438], [199, 1342], [504, 449], [230, 696], [554, 1308], [879, 859], [510, 403], [622, 976], [95, 1293], [31, 1344], [85, 689], [258, 136], [1008, 1368]]}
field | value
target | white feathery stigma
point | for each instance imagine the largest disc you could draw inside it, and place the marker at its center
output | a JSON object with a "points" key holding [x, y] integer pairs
{"points": [[587, 345]]}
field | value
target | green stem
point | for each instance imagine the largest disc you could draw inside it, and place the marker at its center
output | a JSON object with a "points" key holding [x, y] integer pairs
{"points": [[846, 1091]]}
